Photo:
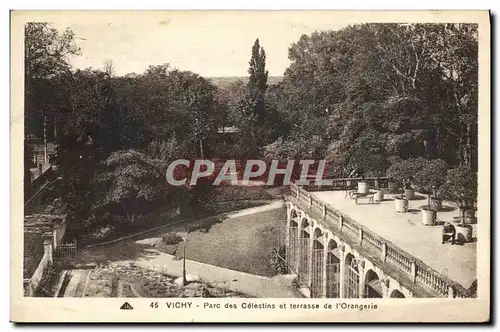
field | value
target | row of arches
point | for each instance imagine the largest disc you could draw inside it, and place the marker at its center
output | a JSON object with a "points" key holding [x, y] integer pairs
{"points": [[323, 266]]}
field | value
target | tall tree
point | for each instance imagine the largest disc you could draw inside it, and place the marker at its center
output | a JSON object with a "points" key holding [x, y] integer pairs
{"points": [[257, 83], [251, 116], [46, 56]]}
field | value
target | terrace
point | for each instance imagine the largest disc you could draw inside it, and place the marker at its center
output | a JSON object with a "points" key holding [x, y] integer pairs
{"points": [[406, 231]]}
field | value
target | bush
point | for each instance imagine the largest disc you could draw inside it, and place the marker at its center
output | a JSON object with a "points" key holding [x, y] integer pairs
{"points": [[229, 193], [404, 171], [461, 182], [432, 174], [277, 260], [171, 238]]}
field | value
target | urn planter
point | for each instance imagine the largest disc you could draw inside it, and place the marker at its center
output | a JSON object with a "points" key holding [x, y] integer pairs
{"points": [[428, 216], [401, 204], [378, 196], [362, 187]]}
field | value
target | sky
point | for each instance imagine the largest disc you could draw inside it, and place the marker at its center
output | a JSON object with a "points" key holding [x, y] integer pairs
{"points": [[207, 43]]}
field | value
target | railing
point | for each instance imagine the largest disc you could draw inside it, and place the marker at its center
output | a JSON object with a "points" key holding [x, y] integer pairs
{"points": [[346, 183], [417, 271]]}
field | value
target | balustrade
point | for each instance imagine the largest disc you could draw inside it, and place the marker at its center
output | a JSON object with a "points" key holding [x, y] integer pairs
{"points": [[416, 270]]}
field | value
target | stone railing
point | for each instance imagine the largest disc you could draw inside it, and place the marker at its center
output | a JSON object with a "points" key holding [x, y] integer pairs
{"points": [[32, 284], [346, 183], [416, 270]]}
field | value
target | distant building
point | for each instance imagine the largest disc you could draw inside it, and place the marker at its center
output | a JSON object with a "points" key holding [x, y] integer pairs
{"points": [[39, 153], [228, 130], [226, 141]]}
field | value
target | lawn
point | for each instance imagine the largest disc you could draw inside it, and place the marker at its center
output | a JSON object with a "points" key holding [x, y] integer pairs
{"points": [[242, 243]]}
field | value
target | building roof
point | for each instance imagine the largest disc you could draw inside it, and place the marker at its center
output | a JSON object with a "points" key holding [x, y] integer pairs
{"points": [[39, 148]]}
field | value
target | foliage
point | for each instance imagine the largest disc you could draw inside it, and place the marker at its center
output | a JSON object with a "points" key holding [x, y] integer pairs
{"points": [[404, 171], [277, 260], [248, 108], [431, 175], [405, 84], [46, 55], [299, 148], [461, 182], [128, 185], [171, 238], [230, 192], [363, 97]]}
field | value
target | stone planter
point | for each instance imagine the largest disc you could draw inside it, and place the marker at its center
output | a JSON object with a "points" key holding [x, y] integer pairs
{"points": [[436, 204], [378, 196], [362, 187], [392, 187], [401, 204], [409, 194], [464, 233], [428, 216]]}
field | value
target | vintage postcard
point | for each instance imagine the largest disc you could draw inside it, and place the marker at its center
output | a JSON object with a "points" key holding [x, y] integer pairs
{"points": [[250, 166]]}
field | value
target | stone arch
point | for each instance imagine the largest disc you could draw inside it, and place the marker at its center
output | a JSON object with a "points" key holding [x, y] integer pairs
{"points": [[352, 277], [396, 294], [332, 269], [318, 259], [304, 251], [293, 241], [373, 285]]}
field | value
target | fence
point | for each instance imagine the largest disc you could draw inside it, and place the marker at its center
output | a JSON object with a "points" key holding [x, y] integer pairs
{"points": [[416, 270], [348, 183], [66, 251], [52, 249]]}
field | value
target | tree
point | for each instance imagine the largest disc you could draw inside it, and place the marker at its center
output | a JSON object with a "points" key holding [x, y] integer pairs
{"points": [[129, 185], [257, 83], [251, 116], [109, 68], [46, 55], [415, 85], [460, 183]]}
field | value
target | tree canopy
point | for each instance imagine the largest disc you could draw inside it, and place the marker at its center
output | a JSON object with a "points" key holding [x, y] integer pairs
{"points": [[379, 98]]}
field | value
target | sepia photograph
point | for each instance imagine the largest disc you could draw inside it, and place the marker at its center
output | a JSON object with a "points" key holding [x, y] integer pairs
{"points": [[268, 162]]}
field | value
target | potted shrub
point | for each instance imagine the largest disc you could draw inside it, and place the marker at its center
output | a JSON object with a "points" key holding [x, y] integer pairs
{"points": [[362, 185], [379, 194], [403, 172], [428, 179], [366, 163], [461, 188], [401, 203]]}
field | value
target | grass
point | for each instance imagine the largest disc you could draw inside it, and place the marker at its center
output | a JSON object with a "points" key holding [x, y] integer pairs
{"points": [[242, 243]]}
